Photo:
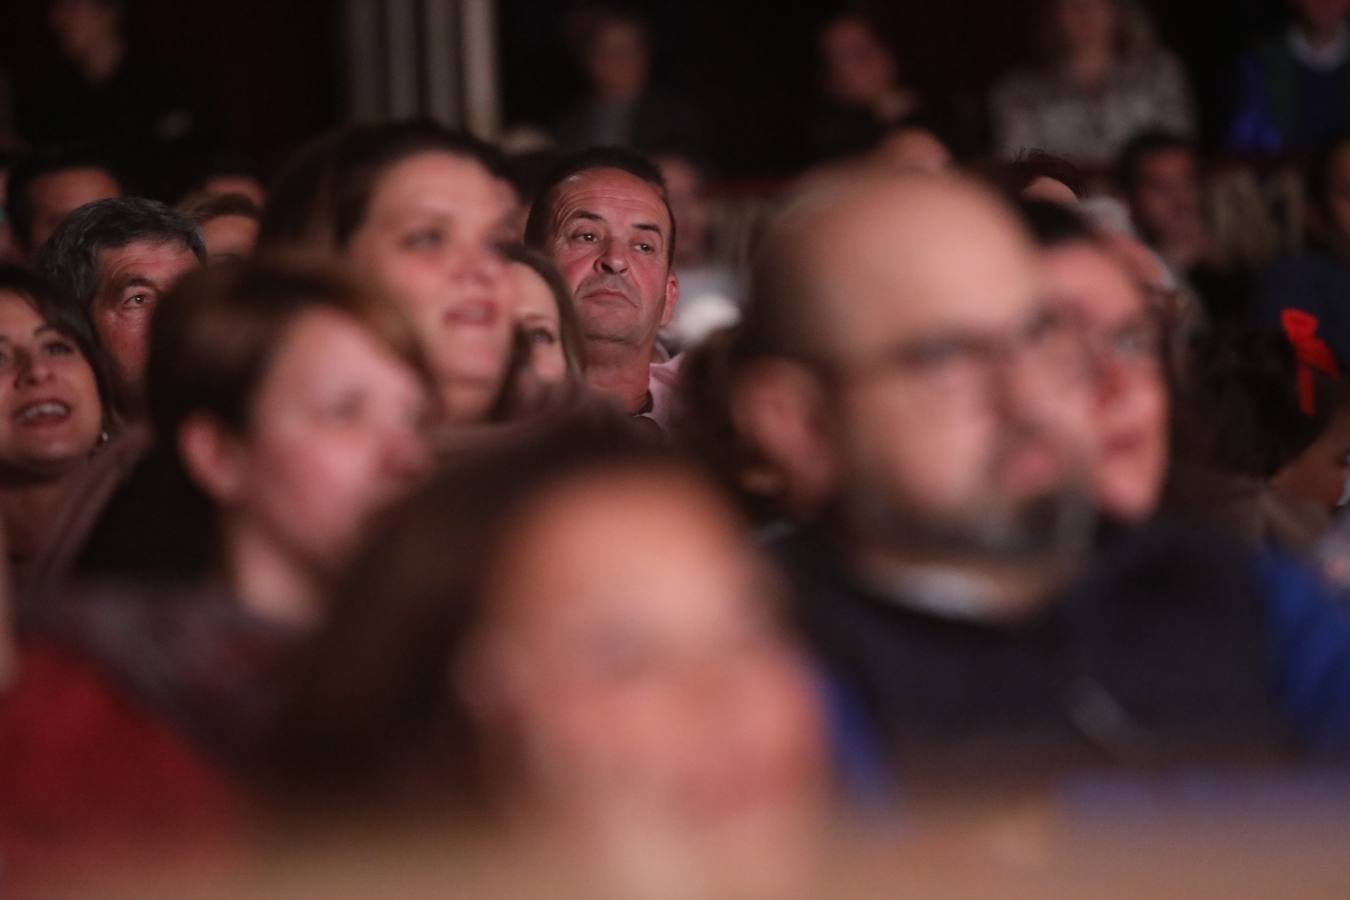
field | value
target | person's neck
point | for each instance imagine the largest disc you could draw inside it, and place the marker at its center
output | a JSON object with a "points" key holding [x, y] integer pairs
{"points": [[268, 582], [1089, 67], [620, 371], [102, 61], [467, 403], [28, 508]]}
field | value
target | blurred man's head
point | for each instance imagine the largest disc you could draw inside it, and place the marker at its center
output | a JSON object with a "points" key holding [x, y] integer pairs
{"points": [[685, 190], [111, 261], [1159, 176], [46, 186], [83, 28], [902, 346], [616, 57], [605, 220]]}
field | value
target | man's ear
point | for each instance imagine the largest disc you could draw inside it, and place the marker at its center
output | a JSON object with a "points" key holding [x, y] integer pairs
{"points": [[782, 409], [212, 457], [672, 295]]}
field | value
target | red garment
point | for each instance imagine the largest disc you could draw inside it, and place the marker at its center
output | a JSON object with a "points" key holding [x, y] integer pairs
{"points": [[86, 776]]}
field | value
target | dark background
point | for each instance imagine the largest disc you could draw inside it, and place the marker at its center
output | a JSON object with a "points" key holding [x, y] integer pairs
{"points": [[270, 71]]}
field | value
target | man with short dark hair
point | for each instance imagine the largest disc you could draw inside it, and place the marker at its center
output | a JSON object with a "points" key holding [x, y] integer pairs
{"points": [[47, 185], [111, 261], [604, 219]]}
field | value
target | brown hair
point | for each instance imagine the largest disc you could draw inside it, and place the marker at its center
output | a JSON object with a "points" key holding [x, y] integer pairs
{"points": [[214, 336], [569, 326], [204, 208]]}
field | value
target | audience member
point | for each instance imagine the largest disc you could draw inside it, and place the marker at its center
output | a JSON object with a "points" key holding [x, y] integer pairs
{"points": [[109, 94], [621, 109], [914, 356], [109, 263], [290, 407], [228, 224], [863, 94], [8, 252], [1292, 91], [605, 220], [548, 328], [913, 145], [1159, 175], [711, 293], [54, 397], [1101, 82], [421, 211], [46, 186], [570, 632], [1084, 274]]}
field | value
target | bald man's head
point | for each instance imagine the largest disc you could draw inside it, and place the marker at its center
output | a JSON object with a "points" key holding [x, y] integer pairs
{"points": [[950, 396]]}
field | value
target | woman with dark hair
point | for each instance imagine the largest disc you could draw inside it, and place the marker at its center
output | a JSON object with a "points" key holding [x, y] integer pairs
{"points": [[569, 632], [288, 406], [1101, 82], [52, 413], [422, 212]]}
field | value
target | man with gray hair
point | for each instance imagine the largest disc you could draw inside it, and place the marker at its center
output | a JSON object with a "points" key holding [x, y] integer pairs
{"points": [[110, 261]]}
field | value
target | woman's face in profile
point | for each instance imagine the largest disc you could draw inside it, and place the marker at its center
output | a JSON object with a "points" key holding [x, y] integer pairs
{"points": [[634, 662], [50, 412], [336, 432], [538, 320], [431, 235]]}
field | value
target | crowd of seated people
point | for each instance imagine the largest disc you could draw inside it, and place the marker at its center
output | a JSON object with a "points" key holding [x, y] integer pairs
{"points": [[403, 497]]}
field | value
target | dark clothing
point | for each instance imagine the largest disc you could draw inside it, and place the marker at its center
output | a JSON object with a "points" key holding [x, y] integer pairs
{"points": [[1284, 105], [1317, 283], [1162, 652], [144, 118], [654, 123]]}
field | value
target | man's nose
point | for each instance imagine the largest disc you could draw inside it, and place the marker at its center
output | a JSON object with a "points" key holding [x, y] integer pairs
{"points": [[612, 259]]}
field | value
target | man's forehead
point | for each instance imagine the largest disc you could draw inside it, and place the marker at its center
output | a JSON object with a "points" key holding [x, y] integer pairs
{"points": [[610, 193], [148, 254]]}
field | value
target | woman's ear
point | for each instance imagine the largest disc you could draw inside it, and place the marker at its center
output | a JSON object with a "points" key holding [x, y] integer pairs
{"points": [[212, 457]]}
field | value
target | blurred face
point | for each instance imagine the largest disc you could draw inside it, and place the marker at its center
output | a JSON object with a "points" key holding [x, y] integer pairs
{"points": [[1166, 201], [132, 279], [245, 185], [1087, 25], [858, 70], [1321, 16], [959, 405], [336, 432], [229, 237], [1338, 191], [432, 235], [1130, 413], [58, 194], [1321, 473], [50, 413], [82, 26], [537, 318], [662, 689], [684, 188], [616, 60], [611, 238]]}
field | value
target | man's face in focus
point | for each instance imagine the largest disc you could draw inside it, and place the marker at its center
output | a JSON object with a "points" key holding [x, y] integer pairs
{"points": [[959, 402], [132, 279], [610, 237]]}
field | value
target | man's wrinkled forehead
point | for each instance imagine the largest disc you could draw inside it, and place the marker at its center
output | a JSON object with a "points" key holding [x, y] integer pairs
{"points": [[612, 196]]}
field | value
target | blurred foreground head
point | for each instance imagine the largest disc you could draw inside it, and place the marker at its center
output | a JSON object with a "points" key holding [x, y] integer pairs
{"points": [[421, 212], [297, 404], [901, 357], [570, 630]]}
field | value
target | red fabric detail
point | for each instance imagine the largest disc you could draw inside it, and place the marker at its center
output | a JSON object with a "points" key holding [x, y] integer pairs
{"points": [[1313, 353], [86, 776]]}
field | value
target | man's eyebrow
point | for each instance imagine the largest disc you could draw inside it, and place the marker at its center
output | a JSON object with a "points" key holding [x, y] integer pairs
{"points": [[585, 214], [649, 226], [134, 281]]}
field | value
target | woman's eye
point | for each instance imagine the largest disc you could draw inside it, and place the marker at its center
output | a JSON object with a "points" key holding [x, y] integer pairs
{"points": [[58, 348], [423, 240]]}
